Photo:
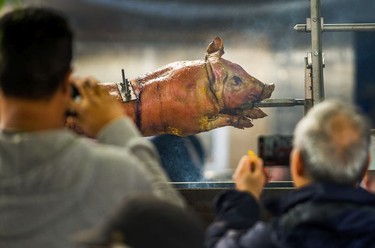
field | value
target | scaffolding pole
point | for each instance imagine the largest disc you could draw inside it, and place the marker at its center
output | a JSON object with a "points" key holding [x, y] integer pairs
{"points": [[317, 53]]}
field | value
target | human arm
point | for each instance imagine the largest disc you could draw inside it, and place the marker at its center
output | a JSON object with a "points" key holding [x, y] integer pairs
{"points": [[237, 211], [237, 222], [124, 133], [102, 117]]}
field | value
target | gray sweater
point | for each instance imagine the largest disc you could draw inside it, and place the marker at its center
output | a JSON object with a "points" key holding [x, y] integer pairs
{"points": [[55, 183]]}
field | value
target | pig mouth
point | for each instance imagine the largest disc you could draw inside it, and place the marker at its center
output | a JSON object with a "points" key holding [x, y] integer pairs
{"points": [[266, 93], [247, 112], [243, 118]]}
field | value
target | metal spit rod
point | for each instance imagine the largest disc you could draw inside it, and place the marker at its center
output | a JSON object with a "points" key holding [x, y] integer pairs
{"points": [[338, 27], [280, 103]]}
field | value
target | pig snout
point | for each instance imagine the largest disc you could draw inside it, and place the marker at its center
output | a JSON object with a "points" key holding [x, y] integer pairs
{"points": [[267, 91], [245, 93]]}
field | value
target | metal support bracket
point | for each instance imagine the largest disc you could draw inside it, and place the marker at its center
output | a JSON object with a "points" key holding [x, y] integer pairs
{"points": [[317, 79], [308, 83], [126, 89]]}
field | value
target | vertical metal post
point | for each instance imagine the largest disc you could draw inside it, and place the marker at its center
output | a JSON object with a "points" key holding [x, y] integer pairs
{"points": [[317, 53], [308, 84]]}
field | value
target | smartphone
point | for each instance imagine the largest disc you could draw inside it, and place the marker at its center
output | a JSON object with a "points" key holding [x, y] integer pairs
{"points": [[75, 96], [275, 149], [74, 92]]}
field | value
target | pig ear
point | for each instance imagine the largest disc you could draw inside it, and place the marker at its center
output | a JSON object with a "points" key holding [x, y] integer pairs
{"points": [[215, 48]]}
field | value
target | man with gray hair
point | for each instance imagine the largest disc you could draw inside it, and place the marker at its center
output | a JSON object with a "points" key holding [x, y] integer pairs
{"points": [[328, 208]]}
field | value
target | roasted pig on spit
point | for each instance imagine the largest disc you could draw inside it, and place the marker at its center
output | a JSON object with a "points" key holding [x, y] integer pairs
{"points": [[189, 97]]}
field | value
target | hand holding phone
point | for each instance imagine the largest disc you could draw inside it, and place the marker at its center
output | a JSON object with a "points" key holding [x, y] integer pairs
{"points": [[96, 107], [250, 176]]}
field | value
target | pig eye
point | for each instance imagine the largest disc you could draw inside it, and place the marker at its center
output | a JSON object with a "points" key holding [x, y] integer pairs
{"points": [[237, 80]]}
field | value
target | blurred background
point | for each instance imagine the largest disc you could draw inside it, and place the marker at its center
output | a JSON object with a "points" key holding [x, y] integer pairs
{"points": [[142, 35]]}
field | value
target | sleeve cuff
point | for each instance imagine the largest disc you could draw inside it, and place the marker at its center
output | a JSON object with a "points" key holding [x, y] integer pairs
{"points": [[239, 210]]}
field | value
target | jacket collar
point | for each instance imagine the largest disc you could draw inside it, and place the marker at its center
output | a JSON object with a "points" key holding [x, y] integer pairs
{"points": [[320, 192]]}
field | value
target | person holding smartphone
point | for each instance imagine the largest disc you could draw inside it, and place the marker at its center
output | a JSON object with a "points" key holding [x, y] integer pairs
{"points": [[328, 208], [54, 182]]}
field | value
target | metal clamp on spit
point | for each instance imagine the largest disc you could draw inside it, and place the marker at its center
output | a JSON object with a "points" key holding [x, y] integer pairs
{"points": [[126, 89]]}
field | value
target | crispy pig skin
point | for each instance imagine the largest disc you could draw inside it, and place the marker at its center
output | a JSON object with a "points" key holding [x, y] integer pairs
{"points": [[189, 97]]}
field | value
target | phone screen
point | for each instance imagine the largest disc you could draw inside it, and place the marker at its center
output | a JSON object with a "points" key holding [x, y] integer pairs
{"points": [[275, 149]]}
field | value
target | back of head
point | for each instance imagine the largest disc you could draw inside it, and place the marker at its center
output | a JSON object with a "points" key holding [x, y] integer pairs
{"points": [[334, 140], [144, 221], [36, 52]]}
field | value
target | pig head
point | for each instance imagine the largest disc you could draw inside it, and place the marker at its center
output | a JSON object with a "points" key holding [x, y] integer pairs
{"points": [[235, 89], [189, 97]]}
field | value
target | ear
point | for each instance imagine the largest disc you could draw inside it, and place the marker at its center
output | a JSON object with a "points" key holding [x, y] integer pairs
{"points": [[365, 169], [215, 49], [298, 162], [297, 169], [368, 161], [65, 84]]}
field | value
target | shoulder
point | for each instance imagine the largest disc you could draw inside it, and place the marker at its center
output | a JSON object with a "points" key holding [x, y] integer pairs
{"points": [[108, 162]]}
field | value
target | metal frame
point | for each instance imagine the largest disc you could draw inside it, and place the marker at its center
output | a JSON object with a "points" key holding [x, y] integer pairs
{"points": [[314, 62]]}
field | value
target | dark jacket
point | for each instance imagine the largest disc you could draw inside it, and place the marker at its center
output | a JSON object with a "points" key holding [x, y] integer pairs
{"points": [[319, 215]]}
